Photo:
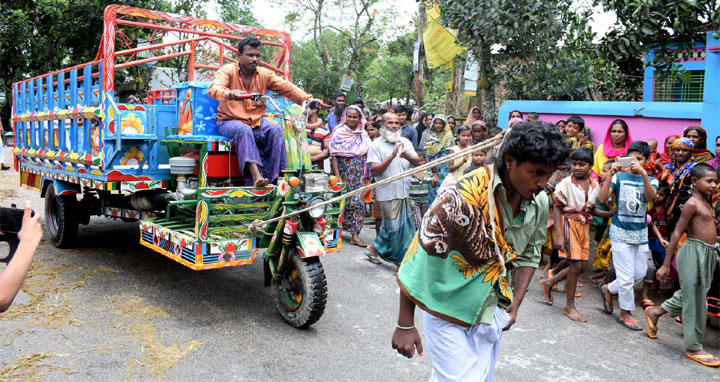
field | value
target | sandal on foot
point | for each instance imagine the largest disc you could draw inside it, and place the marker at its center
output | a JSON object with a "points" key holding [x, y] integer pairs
{"points": [[373, 258], [625, 324], [647, 303], [602, 295], [704, 359], [652, 330]]}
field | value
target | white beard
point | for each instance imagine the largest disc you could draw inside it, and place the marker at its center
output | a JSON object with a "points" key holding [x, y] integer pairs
{"points": [[390, 136]]}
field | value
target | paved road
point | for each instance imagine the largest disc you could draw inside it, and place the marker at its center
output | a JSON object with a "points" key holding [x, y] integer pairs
{"points": [[112, 310]]}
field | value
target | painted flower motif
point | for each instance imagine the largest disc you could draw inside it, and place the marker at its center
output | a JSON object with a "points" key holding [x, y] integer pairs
{"points": [[471, 188], [131, 125], [230, 247], [132, 157], [466, 269], [493, 271], [283, 187]]}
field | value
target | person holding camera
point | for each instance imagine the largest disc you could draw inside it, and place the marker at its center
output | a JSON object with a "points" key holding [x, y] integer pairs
{"points": [[12, 277]]}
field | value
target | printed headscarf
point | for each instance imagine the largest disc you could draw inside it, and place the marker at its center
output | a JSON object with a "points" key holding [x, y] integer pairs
{"points": [[701, 131], [347, 142], [683, 143], [701, 154], [434, 142], [608, 149]]}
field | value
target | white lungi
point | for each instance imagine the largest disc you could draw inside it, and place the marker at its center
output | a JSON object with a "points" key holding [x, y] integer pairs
{"points": [[460, 353]]}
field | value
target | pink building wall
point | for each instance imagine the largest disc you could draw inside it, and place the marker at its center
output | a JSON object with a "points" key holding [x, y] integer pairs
{"points": [[641, 128]]}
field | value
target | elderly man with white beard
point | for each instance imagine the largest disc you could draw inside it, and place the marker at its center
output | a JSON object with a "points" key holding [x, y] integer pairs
{"points": [[389, 155]]}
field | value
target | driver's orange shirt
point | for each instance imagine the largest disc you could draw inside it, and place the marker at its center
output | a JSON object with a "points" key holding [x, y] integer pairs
{"points": [[248, 111]]}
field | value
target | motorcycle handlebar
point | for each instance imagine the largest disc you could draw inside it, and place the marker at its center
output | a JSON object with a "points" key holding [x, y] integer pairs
{"points": [[258, 96]]}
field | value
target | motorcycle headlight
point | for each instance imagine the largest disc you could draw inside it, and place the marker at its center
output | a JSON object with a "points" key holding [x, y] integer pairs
{"points": [[318, 211], [315, 183]]}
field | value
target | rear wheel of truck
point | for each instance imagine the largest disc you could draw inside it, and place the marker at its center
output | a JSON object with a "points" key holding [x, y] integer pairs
{"points": [[301, 295], [61, 218]]}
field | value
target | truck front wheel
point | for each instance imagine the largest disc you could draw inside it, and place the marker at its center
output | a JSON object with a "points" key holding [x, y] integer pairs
{"points": [[301, 295], [61, 218]]}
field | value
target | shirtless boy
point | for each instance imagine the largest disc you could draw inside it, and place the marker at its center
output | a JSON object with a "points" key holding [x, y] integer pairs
{"points": [[696, 263]]}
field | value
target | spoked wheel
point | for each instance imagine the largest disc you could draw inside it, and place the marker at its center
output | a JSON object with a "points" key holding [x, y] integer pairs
{"points": [[301, 295], [61, 218]]}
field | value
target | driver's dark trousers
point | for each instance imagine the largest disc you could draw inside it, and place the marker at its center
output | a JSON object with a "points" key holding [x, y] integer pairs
{"points": [[262, 146]]}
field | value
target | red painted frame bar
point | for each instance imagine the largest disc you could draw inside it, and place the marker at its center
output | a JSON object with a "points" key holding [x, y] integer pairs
{"points": [[151, 59], [193, 31]]}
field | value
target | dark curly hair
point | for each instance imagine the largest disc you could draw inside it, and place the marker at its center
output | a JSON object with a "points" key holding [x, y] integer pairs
{"points": [[534, 141]]}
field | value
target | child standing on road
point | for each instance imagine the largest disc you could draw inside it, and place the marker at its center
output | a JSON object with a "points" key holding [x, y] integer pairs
{"points": [[603, 254], [658, 240], [628, 231], [696, 263], [574, 204], [419, 186]]}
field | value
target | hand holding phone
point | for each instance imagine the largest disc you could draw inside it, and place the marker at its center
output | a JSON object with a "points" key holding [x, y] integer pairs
{"points": [[625, 162]]}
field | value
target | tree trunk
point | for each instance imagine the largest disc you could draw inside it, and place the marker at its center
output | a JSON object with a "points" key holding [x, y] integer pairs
{"points": [[317, 33], [456, 93], [420, 75], [486, 86]]}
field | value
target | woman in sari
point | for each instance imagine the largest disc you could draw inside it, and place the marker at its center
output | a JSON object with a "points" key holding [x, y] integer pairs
{"points": [[698, 136], [349, 145], [666, 157], [424, 123], [616, 143], [437, 141], [452, 122], [473, 115]]}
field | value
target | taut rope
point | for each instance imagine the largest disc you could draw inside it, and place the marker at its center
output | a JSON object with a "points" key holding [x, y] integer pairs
{"points": [[256, 225]]}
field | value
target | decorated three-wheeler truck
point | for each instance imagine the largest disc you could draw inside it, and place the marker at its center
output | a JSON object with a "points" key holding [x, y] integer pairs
{"points": [[163, 162]]}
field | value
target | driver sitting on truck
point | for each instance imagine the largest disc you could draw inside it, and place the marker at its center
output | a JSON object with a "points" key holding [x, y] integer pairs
{"points": [[258, 142]]}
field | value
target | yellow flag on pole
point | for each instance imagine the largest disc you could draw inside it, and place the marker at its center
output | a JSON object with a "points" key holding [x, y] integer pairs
{"points": [[440, 46]]}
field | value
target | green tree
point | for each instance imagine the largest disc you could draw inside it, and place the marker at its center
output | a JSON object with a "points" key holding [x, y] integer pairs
{"points": [[237, 12], [346, 36], [307, 69], [39, 36], [534, 50], [663, 24]]}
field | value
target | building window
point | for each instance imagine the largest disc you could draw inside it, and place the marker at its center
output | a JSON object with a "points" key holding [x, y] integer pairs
{"points": [[682, 86]]}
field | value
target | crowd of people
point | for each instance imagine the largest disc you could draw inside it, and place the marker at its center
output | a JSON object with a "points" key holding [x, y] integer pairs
{"points": [[635, 198], [468, 234]]}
